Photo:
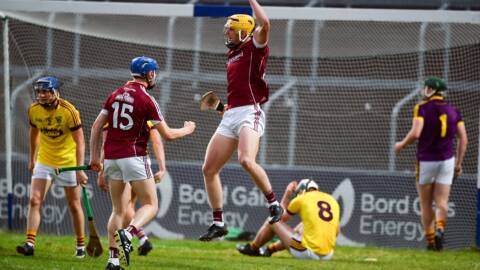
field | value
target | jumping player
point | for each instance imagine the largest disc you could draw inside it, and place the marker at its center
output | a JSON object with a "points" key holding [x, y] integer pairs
{"points": [[243, 121]]}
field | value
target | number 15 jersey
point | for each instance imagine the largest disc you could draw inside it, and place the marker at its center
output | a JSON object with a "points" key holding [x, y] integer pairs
{"points": [[128, 109], [320, 214]]}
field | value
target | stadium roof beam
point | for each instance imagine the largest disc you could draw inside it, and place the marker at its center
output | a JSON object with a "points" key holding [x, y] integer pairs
{"points": [[301, 13]]}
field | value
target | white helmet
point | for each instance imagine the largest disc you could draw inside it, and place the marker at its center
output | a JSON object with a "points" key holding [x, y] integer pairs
{"points": [[305, 185]]}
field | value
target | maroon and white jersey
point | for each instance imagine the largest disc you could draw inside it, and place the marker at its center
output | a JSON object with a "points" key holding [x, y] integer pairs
{"points": [[245, 75], [128, 109]]}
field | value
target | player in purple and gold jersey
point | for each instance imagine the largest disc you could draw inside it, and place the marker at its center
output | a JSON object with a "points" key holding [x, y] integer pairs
{"points": [[243, 120], [436, 124]]}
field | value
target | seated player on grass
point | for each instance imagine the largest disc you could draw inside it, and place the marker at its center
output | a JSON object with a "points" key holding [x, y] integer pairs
{"points": [[313, 238]]}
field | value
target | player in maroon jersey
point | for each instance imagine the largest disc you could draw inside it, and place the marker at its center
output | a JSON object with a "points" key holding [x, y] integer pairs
{"points": [[436, 124], [127, 111], [243, 120], [144, 245]]}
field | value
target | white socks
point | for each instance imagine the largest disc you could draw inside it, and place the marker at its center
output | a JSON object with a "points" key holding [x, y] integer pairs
{"points": [[219, 223]]}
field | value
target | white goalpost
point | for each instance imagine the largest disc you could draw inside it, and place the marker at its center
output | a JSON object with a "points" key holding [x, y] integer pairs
{"points": [[343, 82], [7, 109]]}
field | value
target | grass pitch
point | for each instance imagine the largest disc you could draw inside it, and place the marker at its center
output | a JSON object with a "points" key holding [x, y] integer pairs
{"points": [[56, 252]]}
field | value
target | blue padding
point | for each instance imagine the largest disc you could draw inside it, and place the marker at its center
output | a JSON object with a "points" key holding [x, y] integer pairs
{"points": [[219, 11], [10, 210], [478, 218]]}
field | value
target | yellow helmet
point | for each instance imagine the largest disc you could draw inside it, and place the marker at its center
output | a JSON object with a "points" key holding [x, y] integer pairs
{"points": [[241, 22]]}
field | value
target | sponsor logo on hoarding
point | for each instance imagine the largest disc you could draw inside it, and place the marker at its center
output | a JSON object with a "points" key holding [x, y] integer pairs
{"points": [[377, 214], [51, 212]]}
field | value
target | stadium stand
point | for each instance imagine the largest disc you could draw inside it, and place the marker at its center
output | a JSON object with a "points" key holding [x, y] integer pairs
{"points": [[397, 4]]}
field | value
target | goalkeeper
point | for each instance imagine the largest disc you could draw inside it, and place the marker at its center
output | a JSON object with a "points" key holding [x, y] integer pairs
{"points": [[313, 238]]}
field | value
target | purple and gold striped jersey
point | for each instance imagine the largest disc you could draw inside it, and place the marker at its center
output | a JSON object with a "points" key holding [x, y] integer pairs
{"points": [[440, 121]]}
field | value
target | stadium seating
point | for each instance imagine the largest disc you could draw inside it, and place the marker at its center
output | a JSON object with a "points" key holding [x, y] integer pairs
{"points": [[402, 4]]}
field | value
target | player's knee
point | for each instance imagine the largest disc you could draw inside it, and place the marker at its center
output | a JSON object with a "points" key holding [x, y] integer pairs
{"points": [[129, 213], [35, 202], [118, 211], [155, 207], [442, 206], [208, 171], [246, 162], [74, 206]]}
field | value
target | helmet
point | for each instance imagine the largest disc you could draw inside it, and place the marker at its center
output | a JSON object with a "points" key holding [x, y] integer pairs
{"points": [[48, 83], [305, 185], [240, 23], [141, 65], [436, 84]]}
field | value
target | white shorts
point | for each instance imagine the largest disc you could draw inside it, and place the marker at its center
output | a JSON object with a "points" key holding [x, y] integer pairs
{"points": [[307, 254], [440, 172], [64, 179], [233, 120], [128, 169]]}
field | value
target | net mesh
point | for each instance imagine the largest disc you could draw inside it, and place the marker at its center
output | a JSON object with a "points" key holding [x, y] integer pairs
{"points": [[334, 87]]}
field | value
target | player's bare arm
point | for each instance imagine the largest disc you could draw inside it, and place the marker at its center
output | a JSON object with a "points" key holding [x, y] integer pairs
{"points": [[462, 141], [159, 153], [287, 195], [175, 133], [96, 142], [412, 135], [102, 184], [34, 141], [79, 139], [262, 31]]}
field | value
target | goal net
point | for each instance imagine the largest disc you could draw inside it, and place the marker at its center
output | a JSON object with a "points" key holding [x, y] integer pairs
{"points": [[342, 90]]}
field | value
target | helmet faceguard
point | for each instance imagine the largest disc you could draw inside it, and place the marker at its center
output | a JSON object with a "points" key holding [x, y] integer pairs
{"points": [[46, 84], [305, 185], [240, 24], [141, 66], [151, 82], [436, 84]]}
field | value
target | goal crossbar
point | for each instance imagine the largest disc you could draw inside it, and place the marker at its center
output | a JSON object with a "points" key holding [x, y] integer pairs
{"points": [[189, 10]]}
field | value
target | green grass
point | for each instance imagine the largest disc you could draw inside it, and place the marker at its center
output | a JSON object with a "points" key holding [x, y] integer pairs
{"points": [[56, 252]]}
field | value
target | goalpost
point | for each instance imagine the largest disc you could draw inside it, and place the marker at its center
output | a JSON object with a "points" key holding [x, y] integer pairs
{"points": [[7, 109], [343, 83]]}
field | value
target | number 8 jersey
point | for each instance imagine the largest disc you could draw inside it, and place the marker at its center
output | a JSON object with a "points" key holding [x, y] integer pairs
{"points": [[320, 214], [128, 109]]}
